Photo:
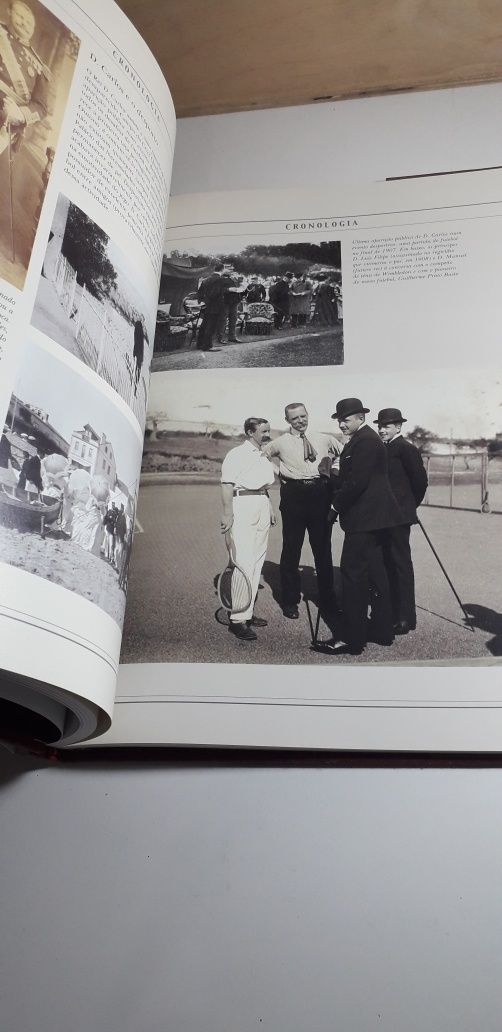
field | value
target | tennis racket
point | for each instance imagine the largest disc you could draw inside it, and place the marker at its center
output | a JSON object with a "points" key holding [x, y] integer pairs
{"points": [[233, 586]]}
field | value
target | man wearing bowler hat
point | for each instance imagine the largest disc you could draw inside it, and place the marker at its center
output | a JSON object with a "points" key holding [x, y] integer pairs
{"points": [[408, 480], [367, 507]]}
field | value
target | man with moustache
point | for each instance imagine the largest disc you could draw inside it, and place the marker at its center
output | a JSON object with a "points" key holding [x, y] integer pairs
{"points": [[305, 499], [408, 480], [365, 503], [246, 475], [24, 78]]}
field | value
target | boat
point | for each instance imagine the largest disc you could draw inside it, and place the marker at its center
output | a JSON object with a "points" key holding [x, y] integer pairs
{"points": [[25, 515]]}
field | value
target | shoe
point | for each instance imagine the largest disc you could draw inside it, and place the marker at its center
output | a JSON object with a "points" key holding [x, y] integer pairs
{"points": [[233, 340], [257, 621], [403, 627], [377, 640], [242, 631], [221, 340], [338, 648], [375, 636], [291, 612]]}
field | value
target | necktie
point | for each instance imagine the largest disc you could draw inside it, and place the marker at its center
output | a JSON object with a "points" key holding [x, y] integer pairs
{"points": [[309, 453]]}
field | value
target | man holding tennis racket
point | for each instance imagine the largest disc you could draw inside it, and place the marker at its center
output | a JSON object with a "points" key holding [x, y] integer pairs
{"points": [[246, 475]]}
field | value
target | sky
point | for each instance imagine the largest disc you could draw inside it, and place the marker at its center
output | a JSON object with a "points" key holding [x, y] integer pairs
{"points": [[71, 401], [129, 282], [463, 403]]}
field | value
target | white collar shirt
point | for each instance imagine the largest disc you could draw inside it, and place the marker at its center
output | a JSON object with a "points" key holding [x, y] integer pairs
{"points": [[247, 468]]}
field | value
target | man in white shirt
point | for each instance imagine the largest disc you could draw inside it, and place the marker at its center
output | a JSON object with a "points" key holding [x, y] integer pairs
{"points": [[246, 475], [305, 503]]}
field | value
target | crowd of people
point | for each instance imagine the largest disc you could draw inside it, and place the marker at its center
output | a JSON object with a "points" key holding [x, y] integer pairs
{"points": [[88, 515], [372, 484], [296, 299]]}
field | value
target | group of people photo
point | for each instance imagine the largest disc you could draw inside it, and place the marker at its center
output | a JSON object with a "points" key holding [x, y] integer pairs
{"points": [[371, 482], [265, 304], [78, 505], [288, 300]]}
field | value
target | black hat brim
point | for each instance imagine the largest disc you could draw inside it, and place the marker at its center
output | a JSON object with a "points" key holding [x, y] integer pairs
{"points": [[335, 415], [387, 421]]}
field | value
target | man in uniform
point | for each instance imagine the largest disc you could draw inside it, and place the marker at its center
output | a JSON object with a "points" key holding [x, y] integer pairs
{"points": [[246, 475], [24, 79], [305, 499], [366, 505], [408, 480]]}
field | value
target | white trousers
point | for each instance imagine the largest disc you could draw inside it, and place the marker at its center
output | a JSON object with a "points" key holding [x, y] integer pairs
{"points": [[250, 536]]}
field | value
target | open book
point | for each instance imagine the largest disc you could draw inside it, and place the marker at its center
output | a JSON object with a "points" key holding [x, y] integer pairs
{"points": [[252, 442]]}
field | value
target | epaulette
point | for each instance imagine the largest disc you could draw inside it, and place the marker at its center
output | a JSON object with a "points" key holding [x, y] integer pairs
{"points": [[44, 70]]}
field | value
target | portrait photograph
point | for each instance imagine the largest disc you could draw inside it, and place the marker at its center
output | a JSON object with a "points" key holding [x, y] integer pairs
{"points": [[38, 54]]}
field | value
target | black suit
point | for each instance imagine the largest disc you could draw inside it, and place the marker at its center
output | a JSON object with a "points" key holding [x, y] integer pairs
{"points": [[408, 480], [367, 507], [212, 293]]}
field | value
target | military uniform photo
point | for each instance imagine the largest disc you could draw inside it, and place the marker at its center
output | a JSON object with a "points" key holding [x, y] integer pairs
{"points": [[31, 84]]}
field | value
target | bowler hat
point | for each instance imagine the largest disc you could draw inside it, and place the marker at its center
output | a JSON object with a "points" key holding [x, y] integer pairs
{"points": [[390, 415], [348, 407]]}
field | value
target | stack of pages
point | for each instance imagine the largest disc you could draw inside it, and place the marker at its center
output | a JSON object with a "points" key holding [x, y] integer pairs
{"points": [[215, 411]]}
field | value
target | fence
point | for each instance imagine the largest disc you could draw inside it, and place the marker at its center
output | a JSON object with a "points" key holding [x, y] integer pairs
{"points": [[464, 480], [65, 284], [102, 343]]}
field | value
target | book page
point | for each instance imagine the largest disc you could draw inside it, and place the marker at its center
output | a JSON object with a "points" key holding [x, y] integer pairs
{"points": [[87, 133], [346, 317]]}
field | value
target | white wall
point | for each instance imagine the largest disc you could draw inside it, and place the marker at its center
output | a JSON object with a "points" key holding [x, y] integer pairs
{"points": [[399, 135], [157, 899]]}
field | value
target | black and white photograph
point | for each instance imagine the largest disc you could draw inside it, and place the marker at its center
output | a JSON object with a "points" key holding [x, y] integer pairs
{"points": [[263, 305], [87, 302], [354, 520], [38, 54], [68, 484]]}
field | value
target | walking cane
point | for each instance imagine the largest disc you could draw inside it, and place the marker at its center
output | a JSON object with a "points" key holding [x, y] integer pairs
{"points": [[427, 538], [11, 200], [313, 633]]}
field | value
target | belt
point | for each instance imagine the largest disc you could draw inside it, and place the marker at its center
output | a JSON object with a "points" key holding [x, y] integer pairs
{"points": [[250, 491], [306, 482]]}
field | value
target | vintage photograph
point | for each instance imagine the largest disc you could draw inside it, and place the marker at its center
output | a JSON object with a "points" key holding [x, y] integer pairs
{"points": [[37, 61], [350, 520], [264, 305], [68, 484], [87, 302]]}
